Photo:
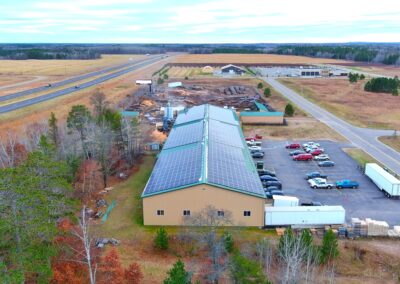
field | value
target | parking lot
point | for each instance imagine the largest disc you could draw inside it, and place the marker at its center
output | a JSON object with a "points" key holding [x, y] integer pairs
{"points": [[365, 202]]}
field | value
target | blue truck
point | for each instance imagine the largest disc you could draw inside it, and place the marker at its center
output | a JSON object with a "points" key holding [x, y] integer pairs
{"points": [[347, 184]]}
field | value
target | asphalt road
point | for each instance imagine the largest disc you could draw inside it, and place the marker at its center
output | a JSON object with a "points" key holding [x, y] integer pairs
{"points": [[67, 81], [28, 102], [363, 138], [365, 202]]}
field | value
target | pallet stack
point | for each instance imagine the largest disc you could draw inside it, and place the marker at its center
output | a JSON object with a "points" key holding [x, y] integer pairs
{"points": [[377, 228], [395, 232], [360, 228]]}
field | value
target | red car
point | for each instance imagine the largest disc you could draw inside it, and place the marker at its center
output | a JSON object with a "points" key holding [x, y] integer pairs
{"points": [[293, 146], [257, 137], [303, 157], [316, 152]]}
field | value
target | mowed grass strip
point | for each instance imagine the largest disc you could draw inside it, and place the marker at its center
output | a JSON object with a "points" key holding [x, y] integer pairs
{"points": [[391, 141]]}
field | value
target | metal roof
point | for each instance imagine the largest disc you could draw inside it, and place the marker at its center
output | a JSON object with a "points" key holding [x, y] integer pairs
{"points": [[257, 113], [130, 113], [260, 106], [206, 146]]}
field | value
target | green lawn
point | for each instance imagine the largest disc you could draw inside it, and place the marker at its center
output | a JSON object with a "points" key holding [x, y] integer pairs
{"points": [[360, 156]]}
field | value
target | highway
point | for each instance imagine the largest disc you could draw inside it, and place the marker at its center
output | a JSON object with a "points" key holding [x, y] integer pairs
{"points": [[364, 138], [66, 82], [46, 97]]}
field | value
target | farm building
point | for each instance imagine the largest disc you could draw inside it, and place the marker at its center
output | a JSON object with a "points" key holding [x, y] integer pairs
{"points": [[261, 116], [205, 161], [232, 69]]}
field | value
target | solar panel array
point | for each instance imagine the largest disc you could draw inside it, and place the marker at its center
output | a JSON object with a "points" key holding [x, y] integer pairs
{"points": [[225, 115], [194, 113], [176, 167], [227, 166], [228, 161], [185, 134]]}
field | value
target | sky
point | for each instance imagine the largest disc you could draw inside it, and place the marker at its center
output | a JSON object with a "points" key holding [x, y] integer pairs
{"points": [[196, 21]]}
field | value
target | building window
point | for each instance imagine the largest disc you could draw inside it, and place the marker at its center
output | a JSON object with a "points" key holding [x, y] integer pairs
{"points": [[186, 212], [160, 212], [220, 213], [247, 213]]}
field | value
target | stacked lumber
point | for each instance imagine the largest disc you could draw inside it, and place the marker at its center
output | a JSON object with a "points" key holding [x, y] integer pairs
{"points": [[395, 232], [377, 228]]}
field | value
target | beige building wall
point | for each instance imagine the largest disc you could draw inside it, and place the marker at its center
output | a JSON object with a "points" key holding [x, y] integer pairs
{"points": [[262, 119], [197, 198]]}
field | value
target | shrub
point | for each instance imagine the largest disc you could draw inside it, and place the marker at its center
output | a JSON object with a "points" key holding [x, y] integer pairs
{"points": [[160, 81], [267, 92], [260, 85], [161, 239], [244, 270], [228, 239], [289, 110], [329, 249], [178, 274]]}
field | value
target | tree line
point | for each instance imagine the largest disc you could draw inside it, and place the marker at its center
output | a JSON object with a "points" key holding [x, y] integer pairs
{"points": [[47, 175], [47, 53], [383, 85]]}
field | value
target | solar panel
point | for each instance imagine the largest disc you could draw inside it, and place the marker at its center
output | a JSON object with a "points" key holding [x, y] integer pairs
{"points": [[225, 133], [221, 114], [228, 166], [194, 113], [185, 134], [176, 167]]}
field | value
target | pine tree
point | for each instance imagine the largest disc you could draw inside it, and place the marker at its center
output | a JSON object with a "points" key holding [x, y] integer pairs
{"points": [[286, 240], [178, 274], [53, 129], [244, 270], [133, 274], [289, 110], [229, 244], [329, 249], [161, 239], [267, 92], [111, 271], [260, 85]]}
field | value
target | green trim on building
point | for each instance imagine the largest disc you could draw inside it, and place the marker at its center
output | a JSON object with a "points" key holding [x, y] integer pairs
{"points": [[256, 113]]}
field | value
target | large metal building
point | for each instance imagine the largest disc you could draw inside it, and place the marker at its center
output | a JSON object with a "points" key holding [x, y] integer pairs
{"points": [[205, 161]]}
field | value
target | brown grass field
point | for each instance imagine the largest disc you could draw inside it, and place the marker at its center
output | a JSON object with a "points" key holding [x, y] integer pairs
{"points": [[61, 67], [252, 58], [391, 141], [116, 90], [350, 101], [6, 80], [378, 69]]}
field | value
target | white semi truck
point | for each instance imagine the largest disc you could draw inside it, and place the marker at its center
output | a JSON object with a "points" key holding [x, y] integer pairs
{"points": [[386, 182]]}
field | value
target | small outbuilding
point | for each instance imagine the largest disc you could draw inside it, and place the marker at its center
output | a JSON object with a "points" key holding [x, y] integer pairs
{"points": [[262, 116], [207, 69], [232, 70]]}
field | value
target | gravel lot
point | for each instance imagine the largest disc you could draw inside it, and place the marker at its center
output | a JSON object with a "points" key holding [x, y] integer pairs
{"points": [[365, 202]]}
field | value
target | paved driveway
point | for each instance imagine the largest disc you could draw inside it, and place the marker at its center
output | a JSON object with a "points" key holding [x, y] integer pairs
{"points": [[364, 138], [365, 202]]}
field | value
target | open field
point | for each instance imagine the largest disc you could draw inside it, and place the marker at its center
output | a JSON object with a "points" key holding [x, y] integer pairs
{"points": [[252, 59], [350, 102], [391, 141], [182, 72], [381, 70], [61, 67], [298, 128], [6, 80], [116, 90]]}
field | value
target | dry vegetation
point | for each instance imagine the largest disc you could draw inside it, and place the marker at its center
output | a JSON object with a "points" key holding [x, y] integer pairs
{"points": [[61, 67], [350, 101], [252, 59], [379, 69], [360, 156], [391, 141], [116, 90], [182, 72], [298, 128], [6, 80]]}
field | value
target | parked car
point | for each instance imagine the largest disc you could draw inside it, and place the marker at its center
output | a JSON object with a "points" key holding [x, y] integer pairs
{"points": [[303, 157], [296, 152], [293, 146], [316, 180], [278, 184], [347, 184], [312, 149], [326, 164], [258, 155], [320, 184], [315, 175], [322, 157], [316, 152], [266, 172], [256, 137], [270, 194], [268, 178], [254, 148], [253, 143], [309, 144], [271, 188], [257, 151], [312, 203]]}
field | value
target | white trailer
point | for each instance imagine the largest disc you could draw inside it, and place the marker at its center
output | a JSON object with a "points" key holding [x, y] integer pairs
{"points": [[285, 201], [304, 216], [386, 182]]}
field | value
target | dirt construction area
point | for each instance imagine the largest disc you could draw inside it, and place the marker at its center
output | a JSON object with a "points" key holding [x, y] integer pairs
{"points": [[350, 101], [365, 202]]}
